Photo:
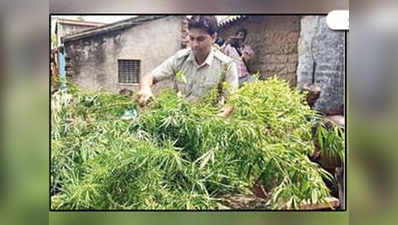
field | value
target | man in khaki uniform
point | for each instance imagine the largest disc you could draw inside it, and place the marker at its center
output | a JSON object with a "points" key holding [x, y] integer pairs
{"points": [[197, 69]]}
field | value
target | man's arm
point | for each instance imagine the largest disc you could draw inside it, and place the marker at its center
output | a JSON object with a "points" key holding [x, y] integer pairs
{"points": [[232, 78], [145, 94], [163, 71], [146, 82], [232, 81]]}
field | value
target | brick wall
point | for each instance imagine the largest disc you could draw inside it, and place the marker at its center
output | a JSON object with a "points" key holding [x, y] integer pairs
{"points": [[274, 40]]}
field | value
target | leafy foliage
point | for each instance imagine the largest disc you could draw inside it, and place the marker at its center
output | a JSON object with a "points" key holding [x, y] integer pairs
{"points": [[180, 155], [331, 140]]}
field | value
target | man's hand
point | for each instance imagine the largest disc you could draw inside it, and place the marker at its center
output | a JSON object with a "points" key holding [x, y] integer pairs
{"points": [[226, 111], [245, 55], [144, 96]]}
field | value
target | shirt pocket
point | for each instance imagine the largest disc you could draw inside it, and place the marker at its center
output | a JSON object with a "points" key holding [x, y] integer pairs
{"points": [[207, 86]]}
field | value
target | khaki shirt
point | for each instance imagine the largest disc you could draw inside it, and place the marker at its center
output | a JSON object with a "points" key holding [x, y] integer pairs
{"points": [[194, 80]]}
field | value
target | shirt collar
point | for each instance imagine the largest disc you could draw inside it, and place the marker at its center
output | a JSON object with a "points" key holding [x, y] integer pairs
{"points": [[208, 61]]}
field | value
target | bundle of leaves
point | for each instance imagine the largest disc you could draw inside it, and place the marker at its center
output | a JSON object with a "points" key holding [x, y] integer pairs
{"points": [[330, 139], [180, 155]]}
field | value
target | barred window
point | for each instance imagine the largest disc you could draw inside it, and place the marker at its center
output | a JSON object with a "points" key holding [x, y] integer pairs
{"points": [[129, 70]]}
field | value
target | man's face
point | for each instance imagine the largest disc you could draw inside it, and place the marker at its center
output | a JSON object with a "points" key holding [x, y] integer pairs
{"points": [[239, 38], [200, 42], [240, 35]]}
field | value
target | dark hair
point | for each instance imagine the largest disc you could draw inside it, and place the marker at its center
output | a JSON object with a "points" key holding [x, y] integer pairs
{"points": [[205, 23], [243, 30], [61, 49], [219, 41]]}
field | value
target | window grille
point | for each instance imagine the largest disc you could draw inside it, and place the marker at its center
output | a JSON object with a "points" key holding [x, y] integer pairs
{"points": [[129, 71]]}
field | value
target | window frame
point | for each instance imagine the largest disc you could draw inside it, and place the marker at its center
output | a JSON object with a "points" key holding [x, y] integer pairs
{"points": [[119, 61]]}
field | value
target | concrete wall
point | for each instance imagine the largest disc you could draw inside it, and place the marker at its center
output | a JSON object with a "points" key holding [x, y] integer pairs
{"points": [[274, 41], [93, 61], [321, 61]]}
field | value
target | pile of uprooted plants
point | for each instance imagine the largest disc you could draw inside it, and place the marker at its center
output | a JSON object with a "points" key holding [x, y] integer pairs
{"points": [[179, 155]]}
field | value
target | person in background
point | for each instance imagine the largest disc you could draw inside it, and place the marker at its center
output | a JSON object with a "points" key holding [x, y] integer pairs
{"points": [[236, 48], [196, 69], [219, 42]]}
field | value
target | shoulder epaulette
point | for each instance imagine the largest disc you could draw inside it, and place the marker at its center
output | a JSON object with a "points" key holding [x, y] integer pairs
{"points": [[183, 52], [221, 56]]}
